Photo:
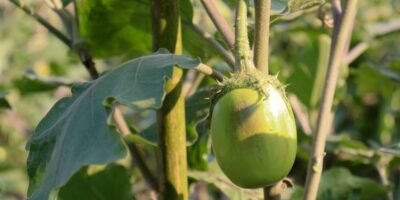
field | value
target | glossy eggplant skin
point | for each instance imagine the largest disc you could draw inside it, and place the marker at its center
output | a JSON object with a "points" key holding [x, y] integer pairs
{"points": [[254, 136]]}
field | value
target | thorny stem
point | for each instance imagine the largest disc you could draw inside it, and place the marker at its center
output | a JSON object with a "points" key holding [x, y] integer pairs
{"points": [[242, 47], [61, 36], [261, 37], [219, 22], [339, 42], [172, 176]]}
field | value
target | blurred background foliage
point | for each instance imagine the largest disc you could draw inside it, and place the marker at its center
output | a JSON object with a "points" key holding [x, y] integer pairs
{"points": [[363, 149]]}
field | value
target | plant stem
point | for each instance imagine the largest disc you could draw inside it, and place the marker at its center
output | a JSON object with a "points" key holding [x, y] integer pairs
{"points": [[173, 183], [336, 10], [61, 36], [261, 37], [216, 45], [242, 47], [222, 25], [207, 70], [339, 43], [88, 63]]}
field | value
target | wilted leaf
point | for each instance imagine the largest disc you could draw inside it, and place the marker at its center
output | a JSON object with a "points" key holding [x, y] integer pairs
{"points": [[113, 182], [75, 132]]}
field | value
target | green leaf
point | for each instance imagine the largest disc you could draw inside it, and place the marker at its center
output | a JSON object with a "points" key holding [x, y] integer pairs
{"points": [[392, 149], [339, 183], [3, 101], [197, 109], [309, 67], [191, 39], [278, 6], [75, 132], [186, 10], [371, 80], [31, 83], [67, 2], [296, 5], [290, 6], [113, 27], [194, 44], [113, 182]]}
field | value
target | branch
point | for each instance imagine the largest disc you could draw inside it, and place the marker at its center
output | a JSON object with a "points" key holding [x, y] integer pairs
{"points": [[261, 36], [207, 70], [393, 27], [341, 34], [217, 46], [301, 114], [61, 36], [336, 10], [222, 25]]}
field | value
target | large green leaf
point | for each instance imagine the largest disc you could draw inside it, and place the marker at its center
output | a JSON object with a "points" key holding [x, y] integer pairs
{"points": [[339, 183], [75, 132], [113, 27], [113, 182]]}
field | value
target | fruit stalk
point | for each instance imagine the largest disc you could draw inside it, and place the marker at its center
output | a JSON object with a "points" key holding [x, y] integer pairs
{"points": [[171, 117], [261, 36], [242, 46], [340, 36]]}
